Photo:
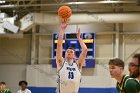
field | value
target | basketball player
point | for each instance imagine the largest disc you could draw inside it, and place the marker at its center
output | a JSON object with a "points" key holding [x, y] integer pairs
{"points": [[125, 84], [23, 85], [69, 70], [3, 88], [134, 68]]}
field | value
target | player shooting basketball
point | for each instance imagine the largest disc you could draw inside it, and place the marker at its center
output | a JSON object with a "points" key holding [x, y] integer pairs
{"points": [[69, 70]]}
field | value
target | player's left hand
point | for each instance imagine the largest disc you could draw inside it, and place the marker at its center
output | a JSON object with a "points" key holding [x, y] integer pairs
{"points": [[78, 34]]}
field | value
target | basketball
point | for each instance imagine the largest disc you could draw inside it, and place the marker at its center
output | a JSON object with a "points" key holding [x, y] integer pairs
{"points": [[64, 12]]}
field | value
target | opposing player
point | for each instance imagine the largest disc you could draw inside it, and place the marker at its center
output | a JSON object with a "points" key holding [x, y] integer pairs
{"points": [[69, 70], [3, 88], [125, 84], [134, 68]]}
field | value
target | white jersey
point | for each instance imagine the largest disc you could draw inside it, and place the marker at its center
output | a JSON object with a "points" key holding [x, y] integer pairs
{"points": [[25, 91], [69, 78]]}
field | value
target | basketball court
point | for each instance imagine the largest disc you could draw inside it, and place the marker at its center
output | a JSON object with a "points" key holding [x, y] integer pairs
{"points": [[29, 31]]}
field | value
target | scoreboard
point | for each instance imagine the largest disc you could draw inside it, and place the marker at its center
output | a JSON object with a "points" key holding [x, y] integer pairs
{"points": [[70, 40]]}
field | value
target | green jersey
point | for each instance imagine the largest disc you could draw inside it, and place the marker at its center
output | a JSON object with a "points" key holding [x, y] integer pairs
{"points": [[5, 91], [138, 84], [127, 85]]}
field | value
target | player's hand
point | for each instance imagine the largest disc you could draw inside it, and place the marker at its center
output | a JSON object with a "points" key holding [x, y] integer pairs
{"points": [[64, 19], [78, 34], [64, 25]]}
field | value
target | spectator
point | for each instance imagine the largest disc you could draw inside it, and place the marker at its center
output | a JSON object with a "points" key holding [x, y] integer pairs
{"points": [[23, 85]]}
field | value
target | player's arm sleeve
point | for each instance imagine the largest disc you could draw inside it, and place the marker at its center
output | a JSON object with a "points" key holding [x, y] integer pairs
{"points": [[131, 87]]}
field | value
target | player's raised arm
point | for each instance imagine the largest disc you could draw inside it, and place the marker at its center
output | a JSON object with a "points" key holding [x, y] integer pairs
{"points": [[59, 58], [82, 57]]}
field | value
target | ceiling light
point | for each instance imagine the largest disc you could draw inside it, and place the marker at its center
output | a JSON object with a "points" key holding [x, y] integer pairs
{"points": [[3, 1]]}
